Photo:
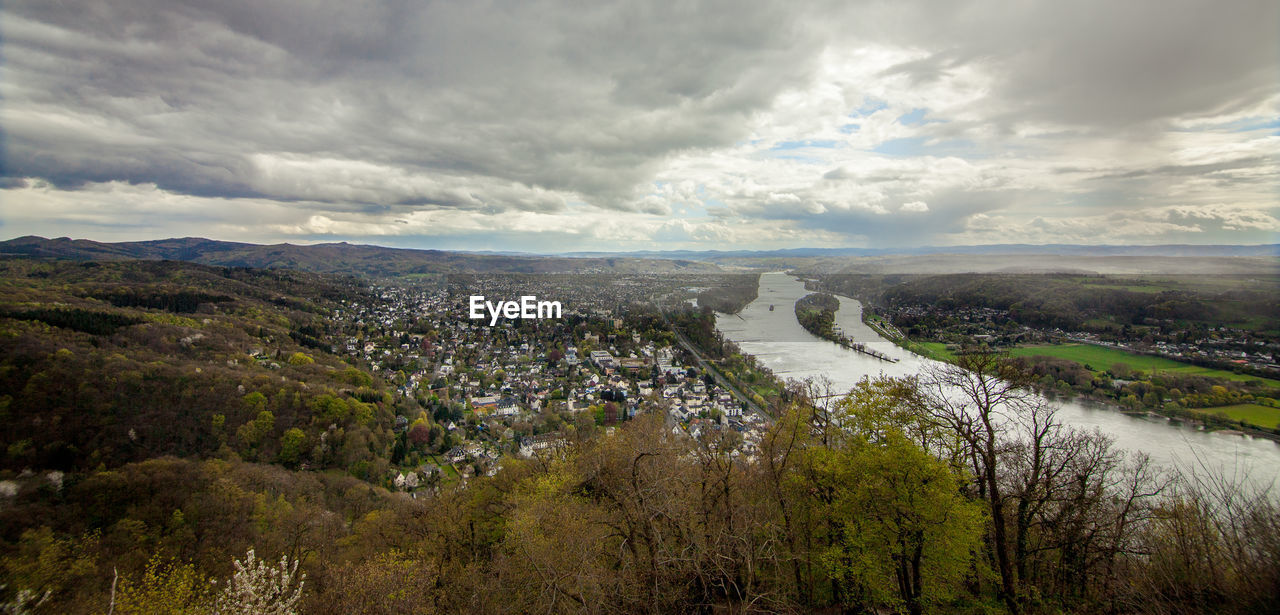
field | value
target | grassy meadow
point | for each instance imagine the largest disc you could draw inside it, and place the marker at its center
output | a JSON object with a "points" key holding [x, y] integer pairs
{"points": [[1101, 358]]}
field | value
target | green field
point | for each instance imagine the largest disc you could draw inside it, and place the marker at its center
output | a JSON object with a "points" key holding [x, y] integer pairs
{"points": [[1100, 359], [1262, 416], [932, 350]]}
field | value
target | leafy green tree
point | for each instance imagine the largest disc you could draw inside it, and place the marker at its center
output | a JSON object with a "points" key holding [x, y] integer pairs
{"points": [[329, 410], [907, 534], [292, 444], [255, 401], [253, 433], [165, 587], [49, 566], [219, 423]]}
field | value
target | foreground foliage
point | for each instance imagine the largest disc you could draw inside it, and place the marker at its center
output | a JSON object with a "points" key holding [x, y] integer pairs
{"points": [[869, 503]]}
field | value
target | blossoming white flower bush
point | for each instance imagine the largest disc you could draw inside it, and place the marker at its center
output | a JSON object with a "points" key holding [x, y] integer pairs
{"points": [[257, 588]]}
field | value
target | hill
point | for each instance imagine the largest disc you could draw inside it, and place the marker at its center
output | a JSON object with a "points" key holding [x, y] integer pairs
{"points": [[107, 363], [344, 258]]}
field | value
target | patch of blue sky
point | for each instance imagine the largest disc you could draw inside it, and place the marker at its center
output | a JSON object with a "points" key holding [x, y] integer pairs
{"points": [[906, 146], [915, 146], [1248, 124], [849, 129], [790, 145], [802, 158], [1256, 123], [915, 117], [869, 106]]}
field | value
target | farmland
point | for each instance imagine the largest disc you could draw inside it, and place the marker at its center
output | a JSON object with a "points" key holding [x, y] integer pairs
{"points": [[1101, 358], [1255, 414]]}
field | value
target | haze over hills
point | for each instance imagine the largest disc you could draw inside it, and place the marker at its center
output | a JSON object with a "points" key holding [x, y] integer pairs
{"points": [[1069, 249], [1047, 263], [1001, 258]]}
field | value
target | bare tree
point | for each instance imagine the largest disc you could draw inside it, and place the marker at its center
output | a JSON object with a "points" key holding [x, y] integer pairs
{"points": [[977, 398]]}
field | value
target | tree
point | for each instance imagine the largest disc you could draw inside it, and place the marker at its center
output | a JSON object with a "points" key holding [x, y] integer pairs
{"points": [[419, 433], [976, 398], [292, 443], [255, 401], [252, 433], [906, 529], [47, 566], [883, 517], [256, 588], [165, 587]]}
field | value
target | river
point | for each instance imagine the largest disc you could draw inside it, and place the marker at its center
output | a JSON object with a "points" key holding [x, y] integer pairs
{"points": [[782, 345]]}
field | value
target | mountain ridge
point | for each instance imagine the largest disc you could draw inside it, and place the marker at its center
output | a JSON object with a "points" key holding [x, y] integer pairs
{"points": [[368, 260]]}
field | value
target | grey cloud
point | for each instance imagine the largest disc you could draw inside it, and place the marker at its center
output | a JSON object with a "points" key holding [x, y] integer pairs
{"points": [[1109, 65], [949, 210], [843, 173], [585, 99], [1096, 65], [381, 108], [928, 69], [1195, 169]]}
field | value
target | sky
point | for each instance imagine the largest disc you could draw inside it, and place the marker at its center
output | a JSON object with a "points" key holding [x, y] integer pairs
{"points": [[550, 126]]}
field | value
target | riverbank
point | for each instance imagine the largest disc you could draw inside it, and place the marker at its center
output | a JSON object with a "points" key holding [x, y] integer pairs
{"points": [[1199, 418], [780, 344]]}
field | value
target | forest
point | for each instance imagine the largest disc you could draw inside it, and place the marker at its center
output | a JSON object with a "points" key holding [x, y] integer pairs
{"points": [[167, 348], [890, 499]]}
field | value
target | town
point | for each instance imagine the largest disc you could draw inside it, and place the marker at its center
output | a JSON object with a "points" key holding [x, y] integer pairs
{"points": [[520, 387]]}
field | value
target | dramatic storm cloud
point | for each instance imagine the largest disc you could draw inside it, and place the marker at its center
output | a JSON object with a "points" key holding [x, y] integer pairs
{"points": [[558, 126]]}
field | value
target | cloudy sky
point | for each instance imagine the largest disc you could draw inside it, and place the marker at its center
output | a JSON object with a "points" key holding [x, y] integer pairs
{"points": [[554, 126]]}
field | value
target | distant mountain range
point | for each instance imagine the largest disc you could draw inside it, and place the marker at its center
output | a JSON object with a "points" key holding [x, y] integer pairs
{"points": [[1046, 249], [373, 261], [377, 261]]}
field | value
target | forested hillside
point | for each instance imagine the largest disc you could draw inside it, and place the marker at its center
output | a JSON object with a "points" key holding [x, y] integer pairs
{"points": [[861, 505], [108, 363]]}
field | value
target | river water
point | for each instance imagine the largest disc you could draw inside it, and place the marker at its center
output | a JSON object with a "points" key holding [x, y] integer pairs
{"points": [[782, 345]]}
